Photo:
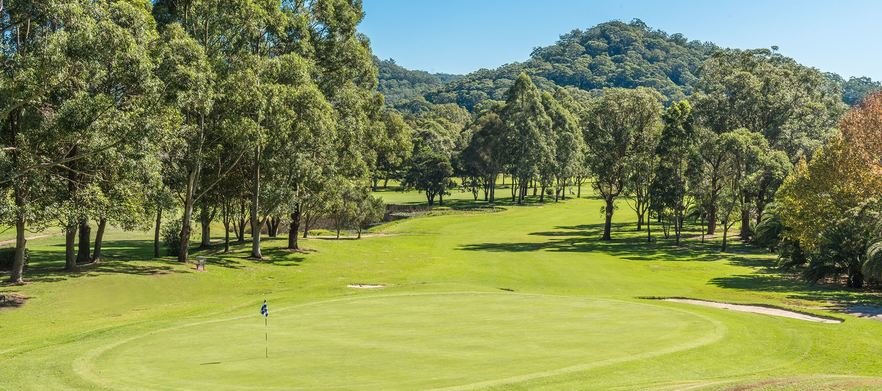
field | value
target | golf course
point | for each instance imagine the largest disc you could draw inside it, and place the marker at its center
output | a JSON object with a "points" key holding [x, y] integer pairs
{"points": [[338, 195], [523, 297]]}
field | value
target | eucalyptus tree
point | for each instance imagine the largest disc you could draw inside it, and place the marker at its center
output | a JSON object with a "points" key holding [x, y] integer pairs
{"points": [[347, 76], [743, 151], [615, 120], [795, 107], [394, 146], [430, 172], [485, 155], [705, 180], [566, 144], [669, 184], [124, 187], [528, 128], [190, 90], [73, 74], [569, 150], [763, 182], [641, 171]]}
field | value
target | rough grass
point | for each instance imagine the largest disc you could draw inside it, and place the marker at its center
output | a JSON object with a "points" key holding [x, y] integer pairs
{"points": [[525, 298]]}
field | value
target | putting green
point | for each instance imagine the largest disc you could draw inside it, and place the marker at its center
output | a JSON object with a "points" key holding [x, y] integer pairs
{"points": [[415, 341]]}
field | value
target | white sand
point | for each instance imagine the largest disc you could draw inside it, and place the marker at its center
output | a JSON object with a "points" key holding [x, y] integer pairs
{"points": [[756, 310], [366, 286]]}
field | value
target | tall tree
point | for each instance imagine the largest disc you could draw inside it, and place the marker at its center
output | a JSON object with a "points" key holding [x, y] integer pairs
{"points": [[675, 148], [793, 106], [569, 145], [74, 75], [616, 118], [529, 127]]}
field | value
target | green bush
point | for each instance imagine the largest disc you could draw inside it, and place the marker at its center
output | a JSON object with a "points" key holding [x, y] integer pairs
{"points": [[171, 237], [7, 256]]}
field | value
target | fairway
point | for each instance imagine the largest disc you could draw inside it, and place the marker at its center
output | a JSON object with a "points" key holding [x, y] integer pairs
{"points": [[522, 298]]}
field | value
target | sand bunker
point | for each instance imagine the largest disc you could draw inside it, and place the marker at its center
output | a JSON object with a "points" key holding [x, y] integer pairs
{"points": [[366, 286], [756, 309]]}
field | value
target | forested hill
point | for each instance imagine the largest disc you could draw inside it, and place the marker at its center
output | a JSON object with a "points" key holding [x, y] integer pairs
{"points": [[399, 84], [611, 54]]}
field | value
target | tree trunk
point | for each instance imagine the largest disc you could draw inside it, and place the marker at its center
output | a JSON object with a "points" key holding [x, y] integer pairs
{"points": [[639, 220], [386, 182], [156, 247], [294, 229], [226, 220], [255, 199], [16, 275], [745, 222], [17, 272], [579, 189], [725, 235], [649, 229], [240, 232], [607, 226], [441, 198], [99, 239], [205, 223], [70, 252], [492, 193], [855, 278], [702, 228], [711, 219], [84, 245], [274, 223], [678, 227], [184, 245]]}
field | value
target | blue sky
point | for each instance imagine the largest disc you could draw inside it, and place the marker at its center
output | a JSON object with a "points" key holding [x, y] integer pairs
{"points": [[459, 36]]}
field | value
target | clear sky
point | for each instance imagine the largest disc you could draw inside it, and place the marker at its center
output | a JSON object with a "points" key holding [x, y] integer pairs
{"points": [[459, 36]]}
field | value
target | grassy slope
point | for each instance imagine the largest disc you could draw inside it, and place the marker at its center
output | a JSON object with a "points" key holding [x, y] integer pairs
{"points": [[574, 320]]}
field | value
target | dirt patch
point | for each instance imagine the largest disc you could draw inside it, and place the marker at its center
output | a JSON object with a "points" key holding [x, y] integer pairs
{"points": [[366, 286], [756, 309], [4, 243], [11, 300]]}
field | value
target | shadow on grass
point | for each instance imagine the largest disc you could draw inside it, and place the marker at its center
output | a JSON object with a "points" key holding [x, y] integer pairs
{"points": [[135, 257], [240, 254], [626, 244], [793, 287]]}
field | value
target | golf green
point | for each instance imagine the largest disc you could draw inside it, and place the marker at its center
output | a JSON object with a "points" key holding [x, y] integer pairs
{"points": [[411, 341]]}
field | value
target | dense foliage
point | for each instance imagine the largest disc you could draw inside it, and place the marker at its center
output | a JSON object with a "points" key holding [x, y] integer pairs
{"points": [[612, 54], [400, 85]]}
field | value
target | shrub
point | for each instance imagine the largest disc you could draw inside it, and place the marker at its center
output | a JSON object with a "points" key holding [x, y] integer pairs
{"points": [[171, 237], [7, 256]]}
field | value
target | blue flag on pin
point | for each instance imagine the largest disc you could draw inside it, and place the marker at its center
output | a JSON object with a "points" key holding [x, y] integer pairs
{"points": [[264, 310]]}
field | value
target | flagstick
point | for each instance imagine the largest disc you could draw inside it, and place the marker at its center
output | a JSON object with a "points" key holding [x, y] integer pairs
{"points": [[266, 336]]}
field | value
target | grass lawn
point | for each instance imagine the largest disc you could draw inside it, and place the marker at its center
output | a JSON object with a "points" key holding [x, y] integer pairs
{"points": [[524, 298]]}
